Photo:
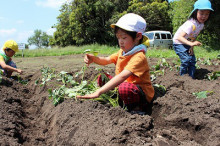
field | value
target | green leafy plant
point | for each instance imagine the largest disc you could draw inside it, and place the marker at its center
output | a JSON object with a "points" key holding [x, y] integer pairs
{"points": [[162, 89], [213, 75], [1, 73], [37, 81], [95, 53], [81, 72], [164, 62], [154, 74], [47, 74], [78, 88], [110, 97], [197, 66], [203, 94], [161, 63], [57, 95], [22, 81], [65, 78], [205, 61]]}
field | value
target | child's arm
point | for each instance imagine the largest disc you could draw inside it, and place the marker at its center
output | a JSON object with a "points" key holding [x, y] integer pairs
{"points": [[114, 82], [7, 67], [89, 58], [182, 39]]}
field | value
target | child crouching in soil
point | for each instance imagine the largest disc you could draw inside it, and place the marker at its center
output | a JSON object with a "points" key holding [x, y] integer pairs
{"points": [[8, 50], [132, 75]]}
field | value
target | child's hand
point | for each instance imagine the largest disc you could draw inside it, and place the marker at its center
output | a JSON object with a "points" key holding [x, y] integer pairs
{"points": [[88, 59], [196, 43], [191, 52], [90, 96], [19, 71]]}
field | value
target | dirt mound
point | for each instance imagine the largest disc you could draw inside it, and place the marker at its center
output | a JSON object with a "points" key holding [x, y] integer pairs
{"points": [[12, 103], [178, 117]]}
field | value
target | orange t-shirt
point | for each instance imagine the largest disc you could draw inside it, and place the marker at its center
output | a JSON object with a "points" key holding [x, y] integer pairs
{"points": [[138, 65]]}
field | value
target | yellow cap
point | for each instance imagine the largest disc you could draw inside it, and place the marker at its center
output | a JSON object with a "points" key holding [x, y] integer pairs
{"points": [[11, 44]]}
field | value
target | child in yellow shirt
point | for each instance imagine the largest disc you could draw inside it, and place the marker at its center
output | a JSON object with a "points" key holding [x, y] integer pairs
{"points": [[132, 75], [8, 50]]}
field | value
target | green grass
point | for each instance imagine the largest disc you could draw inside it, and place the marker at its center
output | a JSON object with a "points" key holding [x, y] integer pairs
{"points": [[161, 53], [70, 50], [205, 53], [200, 52]]}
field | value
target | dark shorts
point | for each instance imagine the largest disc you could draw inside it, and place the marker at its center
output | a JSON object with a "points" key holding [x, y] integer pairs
{"points": [[10, 63]]}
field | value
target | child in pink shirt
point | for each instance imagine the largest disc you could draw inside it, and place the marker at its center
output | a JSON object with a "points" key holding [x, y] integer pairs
{"points": [[185, 38]]}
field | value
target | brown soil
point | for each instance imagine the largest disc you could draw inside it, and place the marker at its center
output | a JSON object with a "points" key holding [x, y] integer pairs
{"points": [[28, 117]]}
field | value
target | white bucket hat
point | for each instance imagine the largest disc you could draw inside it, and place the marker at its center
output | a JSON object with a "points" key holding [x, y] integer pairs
{"points": [[131, 22]]}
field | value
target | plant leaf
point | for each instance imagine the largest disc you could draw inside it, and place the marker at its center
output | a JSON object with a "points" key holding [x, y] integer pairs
{"points": [[202, 94]]}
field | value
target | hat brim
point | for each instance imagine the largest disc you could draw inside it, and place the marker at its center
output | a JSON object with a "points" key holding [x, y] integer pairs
{"points": [[145, 38], [200, 9], [122, 27]]}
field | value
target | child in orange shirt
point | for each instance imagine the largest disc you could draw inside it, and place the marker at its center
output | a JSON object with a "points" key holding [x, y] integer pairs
{"points": [[132, 75]]}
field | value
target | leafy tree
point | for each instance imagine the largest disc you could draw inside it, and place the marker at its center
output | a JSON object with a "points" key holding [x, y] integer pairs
{"points": [[63, 34], [179, 12], [155, 13], [39, 39], [211, 33], [88, 21]]}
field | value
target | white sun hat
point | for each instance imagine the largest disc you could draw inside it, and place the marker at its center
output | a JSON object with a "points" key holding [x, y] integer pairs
{"points": [[131, 22]]}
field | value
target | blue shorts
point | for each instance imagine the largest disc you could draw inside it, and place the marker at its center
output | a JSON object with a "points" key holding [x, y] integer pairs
{"points": [[10, 63]]}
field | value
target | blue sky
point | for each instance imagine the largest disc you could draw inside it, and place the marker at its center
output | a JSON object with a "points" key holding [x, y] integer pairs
{"points": [[19, 18]]}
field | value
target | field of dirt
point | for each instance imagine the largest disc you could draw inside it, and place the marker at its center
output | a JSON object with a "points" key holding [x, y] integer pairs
{"points": [[28, 117]]}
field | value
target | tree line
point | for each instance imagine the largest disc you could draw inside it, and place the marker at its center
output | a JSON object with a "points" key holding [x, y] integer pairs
{"points": [[84, 22]]}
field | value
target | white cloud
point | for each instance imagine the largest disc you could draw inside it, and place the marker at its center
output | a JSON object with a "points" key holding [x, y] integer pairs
{"points": [[22, 37], [50, 31], [20, 22], [7, 32], [19, 37], [50, 3]]}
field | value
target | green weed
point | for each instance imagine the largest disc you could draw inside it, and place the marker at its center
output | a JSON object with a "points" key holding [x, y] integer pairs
{"points": [[203, 94], [1, 73], [77, 88], [213, 75]]}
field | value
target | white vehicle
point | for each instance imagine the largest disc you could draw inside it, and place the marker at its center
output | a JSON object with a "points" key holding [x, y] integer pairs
{"points": [[160, 38]]}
